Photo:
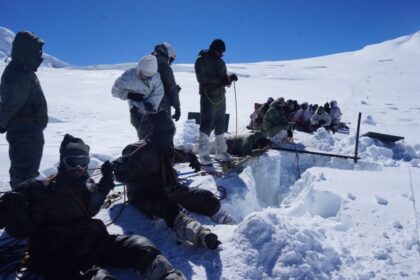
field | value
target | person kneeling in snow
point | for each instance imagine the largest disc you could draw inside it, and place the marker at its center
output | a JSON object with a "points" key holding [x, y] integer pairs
{"points": [[276, 125], [64, 241], [153, 188], [320, 119], [248, 144]]}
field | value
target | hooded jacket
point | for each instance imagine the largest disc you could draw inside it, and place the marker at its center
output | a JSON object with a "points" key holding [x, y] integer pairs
{"points": [[22, 101], [130, 81]]}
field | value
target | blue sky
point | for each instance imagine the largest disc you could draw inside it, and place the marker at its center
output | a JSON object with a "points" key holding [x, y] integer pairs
{"points": [[110, 31]]}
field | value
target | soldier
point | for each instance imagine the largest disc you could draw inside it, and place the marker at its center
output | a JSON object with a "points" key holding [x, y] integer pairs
{"points": [[23, 108], [212, 77], [143, 89], [165, 55], [65, 242]]}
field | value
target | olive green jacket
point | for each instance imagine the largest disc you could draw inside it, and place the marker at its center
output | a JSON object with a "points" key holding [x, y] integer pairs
{"points": [[211, 74], [22, 101], [275, 120]]}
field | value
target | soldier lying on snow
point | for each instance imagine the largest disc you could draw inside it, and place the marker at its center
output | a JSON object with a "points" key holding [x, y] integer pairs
{"points": [[65, 242], [153, 187]]}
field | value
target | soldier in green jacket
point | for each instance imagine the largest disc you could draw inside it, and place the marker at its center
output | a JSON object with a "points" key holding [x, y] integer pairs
{"points": [[23, 108], [276, 125], [212, 76]]}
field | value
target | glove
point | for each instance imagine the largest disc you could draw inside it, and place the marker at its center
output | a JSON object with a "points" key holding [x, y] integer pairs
{"points": [[178, 88], [12, 205], [107, 169], [134, 96], [233, 77], [107, 180], [2, 130], [194, 163], [289, 133], [321, 122], [148, 107], [177, 114], [225, 81]]}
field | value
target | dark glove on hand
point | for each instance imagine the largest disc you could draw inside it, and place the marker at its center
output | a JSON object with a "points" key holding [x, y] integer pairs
{"points": [[107, 169], [12, 205], [2, 130], [178, 88], [226, 81], [194, 163], [177, 114], [289, 133], [148, 107], [233, 77], [321, 122], [107, 179], [134, 96]]}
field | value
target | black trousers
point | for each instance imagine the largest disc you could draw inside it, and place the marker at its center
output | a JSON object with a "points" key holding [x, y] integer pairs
{"points": [[212, 114], [25, 153], [167, 205], [126, 251]]}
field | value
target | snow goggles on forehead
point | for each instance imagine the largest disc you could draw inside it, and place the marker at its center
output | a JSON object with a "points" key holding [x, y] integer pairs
{"points": [[75, 161], [144, 77]]}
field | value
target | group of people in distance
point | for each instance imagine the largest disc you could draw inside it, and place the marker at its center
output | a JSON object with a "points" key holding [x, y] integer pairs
{"points": [[56, 214], [278, 118]]}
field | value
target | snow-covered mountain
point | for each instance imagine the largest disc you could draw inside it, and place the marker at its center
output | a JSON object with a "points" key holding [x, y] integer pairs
{"points": [[300, 216], [6, 39]]}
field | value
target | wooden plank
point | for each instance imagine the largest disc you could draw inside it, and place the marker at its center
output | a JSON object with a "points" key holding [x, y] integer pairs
{"points": [[383, 137]]}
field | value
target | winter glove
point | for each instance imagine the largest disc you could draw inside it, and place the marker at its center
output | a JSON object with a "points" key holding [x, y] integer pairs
{"points": [[178, 88], [134, 96], [12, 204], [194, 163], [2, 130], [225, 81], [321, 122], [233, 77], [289, 133], [148, 107], [177, 114], [107, 179]]}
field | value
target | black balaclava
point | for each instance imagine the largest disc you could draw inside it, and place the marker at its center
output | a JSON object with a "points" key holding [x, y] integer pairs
{"points": [[217, 45], [71, 146], [27, 49]]}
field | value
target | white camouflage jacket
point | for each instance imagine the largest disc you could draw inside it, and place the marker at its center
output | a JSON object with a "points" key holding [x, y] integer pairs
{"points": [[129, 81]]}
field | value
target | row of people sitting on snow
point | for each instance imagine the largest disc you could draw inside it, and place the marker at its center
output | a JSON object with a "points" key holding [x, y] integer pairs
{"points": [[304, 117]]}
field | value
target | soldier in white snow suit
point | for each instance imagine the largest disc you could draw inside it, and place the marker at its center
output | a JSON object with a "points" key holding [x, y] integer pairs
{"points": [[335, 116], [320, 119], [143, 89]]}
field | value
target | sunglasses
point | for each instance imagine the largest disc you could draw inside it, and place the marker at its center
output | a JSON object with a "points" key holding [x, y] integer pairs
{"points": [[75, 161]]}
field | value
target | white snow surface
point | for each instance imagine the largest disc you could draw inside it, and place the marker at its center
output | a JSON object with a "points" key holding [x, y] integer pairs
{"points": [[301, 216], [6, 39]]}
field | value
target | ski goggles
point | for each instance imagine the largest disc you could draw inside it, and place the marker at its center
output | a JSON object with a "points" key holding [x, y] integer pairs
{"points": [[144, 77], [75, 161]]}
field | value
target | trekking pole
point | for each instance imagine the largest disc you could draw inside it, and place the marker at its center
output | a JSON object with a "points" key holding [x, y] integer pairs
{"points": [[236, 111]]}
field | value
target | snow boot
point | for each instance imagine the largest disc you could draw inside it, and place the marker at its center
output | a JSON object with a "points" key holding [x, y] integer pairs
{"points": [[161, 268], [221, 217], [204, 149], [221, 149], [190, 230]]}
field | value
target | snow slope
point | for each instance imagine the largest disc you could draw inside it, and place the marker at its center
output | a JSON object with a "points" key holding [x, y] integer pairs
{"points": [[6, 39], [301, 216]]}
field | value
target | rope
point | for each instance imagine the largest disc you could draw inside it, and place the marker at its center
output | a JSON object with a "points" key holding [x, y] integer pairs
{"points": [[214, 102], [415, 211], [121, 209]]}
